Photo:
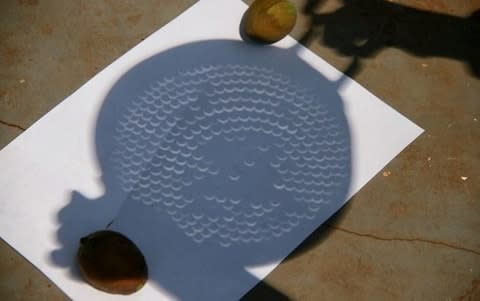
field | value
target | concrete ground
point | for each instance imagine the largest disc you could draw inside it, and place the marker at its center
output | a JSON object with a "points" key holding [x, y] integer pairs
{"points": [[412, 233]]}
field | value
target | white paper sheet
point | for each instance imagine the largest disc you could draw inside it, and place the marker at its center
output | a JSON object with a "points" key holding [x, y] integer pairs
{"points": [[215, 156]]}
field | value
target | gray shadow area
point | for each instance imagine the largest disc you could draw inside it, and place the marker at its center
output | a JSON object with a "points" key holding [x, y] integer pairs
{"points": [[216, 156], [362, 29]]}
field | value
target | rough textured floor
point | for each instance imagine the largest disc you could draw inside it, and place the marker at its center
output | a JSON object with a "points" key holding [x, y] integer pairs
{"points": [[412, 233]]}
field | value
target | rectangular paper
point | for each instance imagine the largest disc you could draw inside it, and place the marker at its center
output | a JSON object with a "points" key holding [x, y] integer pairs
{"points": [[215, 156]]}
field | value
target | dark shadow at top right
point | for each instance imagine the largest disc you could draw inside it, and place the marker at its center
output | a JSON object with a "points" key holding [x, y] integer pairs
{"points": [[362, 28]]}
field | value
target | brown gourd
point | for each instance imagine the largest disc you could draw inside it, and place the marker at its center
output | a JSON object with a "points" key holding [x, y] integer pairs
{"points": [[111, 262]]}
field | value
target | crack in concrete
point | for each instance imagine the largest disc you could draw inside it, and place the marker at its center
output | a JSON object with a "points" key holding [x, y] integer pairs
{"points": [[429, 241], [12, 125]]}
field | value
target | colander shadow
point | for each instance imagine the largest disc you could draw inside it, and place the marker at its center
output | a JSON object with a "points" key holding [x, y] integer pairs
{"points": [[217, 157]]}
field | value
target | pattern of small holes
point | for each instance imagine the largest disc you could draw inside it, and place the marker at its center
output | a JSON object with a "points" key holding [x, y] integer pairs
{"points": [[234, 154]]}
